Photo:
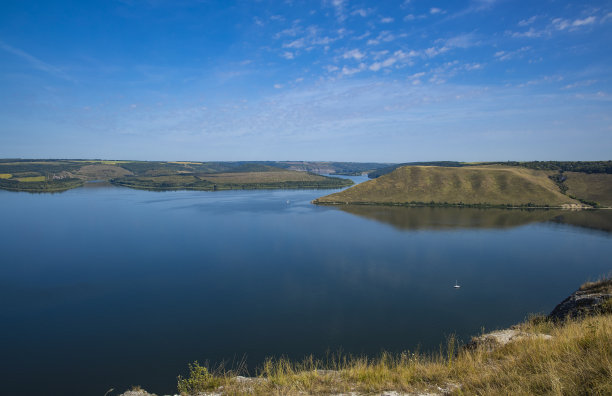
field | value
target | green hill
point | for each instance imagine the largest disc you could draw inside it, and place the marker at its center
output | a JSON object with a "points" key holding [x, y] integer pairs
{"points": [[463, 186]]}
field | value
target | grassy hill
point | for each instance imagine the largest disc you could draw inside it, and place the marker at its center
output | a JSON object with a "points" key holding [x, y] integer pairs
{"points": [[593, 188], [456, 186]]}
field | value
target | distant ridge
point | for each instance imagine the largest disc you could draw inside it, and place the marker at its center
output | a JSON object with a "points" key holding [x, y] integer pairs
{"points": [[497, 186]]}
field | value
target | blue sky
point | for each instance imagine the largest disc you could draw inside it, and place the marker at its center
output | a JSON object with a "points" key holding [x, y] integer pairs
{"points": [[345, 80]]}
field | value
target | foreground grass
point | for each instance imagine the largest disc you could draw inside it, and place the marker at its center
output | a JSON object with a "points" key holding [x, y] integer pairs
{"points": [[576, 360]]}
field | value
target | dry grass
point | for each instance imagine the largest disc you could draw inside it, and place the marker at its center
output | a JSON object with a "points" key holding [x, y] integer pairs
{"points": [[577, 360], [601, 285], [494, 185], [596, 187], [5, 175]]}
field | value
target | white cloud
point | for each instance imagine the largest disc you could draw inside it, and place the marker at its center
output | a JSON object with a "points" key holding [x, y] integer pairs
{"points": [[340, 9], [278, 86], [433, 51], [435, 10], [528, 21], [354, 54], [507, 55], [580, 84], [582, 22], [462, 41], [288, 55], [299, 43], [347, 71], [531, 33], [473, 66], [386, 20], [409, 17], [379, 54], [562, 24], [290, 32], [362, 12], [390, 61]]}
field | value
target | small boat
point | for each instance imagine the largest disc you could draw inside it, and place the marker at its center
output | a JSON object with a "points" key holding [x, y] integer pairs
{"points": [[456, 285]]}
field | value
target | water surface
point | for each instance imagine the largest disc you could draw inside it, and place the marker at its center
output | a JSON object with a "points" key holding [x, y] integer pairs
{"points": [[105, 287]]}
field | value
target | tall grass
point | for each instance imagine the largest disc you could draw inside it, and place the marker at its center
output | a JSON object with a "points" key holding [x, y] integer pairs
{"points": [[577, 360]]}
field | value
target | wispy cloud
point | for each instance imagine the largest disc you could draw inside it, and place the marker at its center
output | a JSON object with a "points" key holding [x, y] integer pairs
{"points": [[35, 62], [528, 21], [339, 7], [507, 55], [555, 25]]}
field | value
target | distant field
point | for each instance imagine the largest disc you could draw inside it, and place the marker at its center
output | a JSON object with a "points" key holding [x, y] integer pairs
{"points": [[32, 179], [102, 172], [5, 175], [261, 177], [481, 186], [595, 187]]}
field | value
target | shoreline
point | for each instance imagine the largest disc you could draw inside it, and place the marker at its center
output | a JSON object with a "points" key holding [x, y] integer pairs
{"points": [[456, 205]]}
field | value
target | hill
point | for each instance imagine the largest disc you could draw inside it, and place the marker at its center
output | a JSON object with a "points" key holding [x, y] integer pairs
{"points": [[594, 188], [560, 166], [457, 186]]}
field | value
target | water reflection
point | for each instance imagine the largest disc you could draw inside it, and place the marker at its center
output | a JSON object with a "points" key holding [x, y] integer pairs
{"points": [[436, 218]]}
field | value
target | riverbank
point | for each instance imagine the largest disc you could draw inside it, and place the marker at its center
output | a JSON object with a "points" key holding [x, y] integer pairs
{"points": [[566, 352]]}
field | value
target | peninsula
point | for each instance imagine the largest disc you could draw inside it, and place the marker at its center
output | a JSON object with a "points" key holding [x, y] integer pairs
{"points": [[480, 185], [61, 175]]}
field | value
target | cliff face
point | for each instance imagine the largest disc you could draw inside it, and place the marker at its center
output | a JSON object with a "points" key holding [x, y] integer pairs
{"points": [[591, 299]]}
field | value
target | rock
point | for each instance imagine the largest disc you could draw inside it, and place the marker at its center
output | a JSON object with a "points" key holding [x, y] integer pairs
{"points": [[137, 392], [591, 299], [500, 338]]}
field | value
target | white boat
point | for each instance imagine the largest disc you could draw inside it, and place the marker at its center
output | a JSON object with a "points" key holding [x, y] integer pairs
{"points": [[456, 285]]}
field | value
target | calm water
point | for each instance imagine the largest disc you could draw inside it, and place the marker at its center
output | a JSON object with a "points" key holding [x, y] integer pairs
{"points": [[104, 287]]}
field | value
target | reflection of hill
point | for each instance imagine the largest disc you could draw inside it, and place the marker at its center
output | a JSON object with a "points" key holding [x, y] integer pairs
{"points": [[593, 219], [440, 218]]}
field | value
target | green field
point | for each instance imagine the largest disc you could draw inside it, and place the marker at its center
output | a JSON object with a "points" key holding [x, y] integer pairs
{"points": [[457, 186], [31, 179]]}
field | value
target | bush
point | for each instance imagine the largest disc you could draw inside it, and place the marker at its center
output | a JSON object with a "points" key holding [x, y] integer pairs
{"points": [[199, 380]]}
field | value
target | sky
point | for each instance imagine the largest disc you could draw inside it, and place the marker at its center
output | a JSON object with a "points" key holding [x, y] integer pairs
{"points": [[341, 80]]}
